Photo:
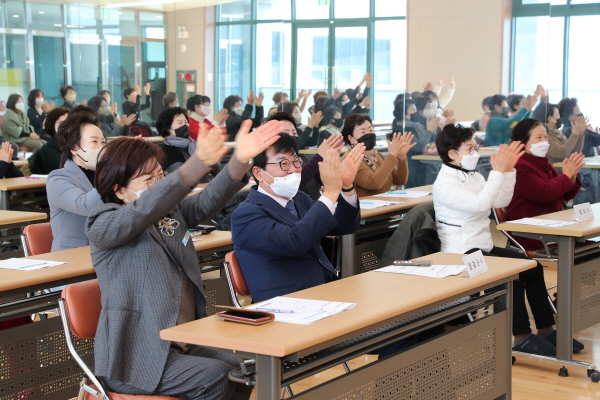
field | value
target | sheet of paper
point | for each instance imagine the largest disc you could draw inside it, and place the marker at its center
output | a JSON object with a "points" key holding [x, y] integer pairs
{"points": [[39, 176], [197, 189], [301, 311], [550, 223], [411, 194], [370, 204], [23, 264], [434, 271]]}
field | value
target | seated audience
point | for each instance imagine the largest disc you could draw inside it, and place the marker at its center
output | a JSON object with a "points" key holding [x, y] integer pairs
{"points": [[462, 200], [170, 100], [514, 103], [560, 146], [278, 98], [47, 158], [133, 105], [200, 108], [480, 124], [7, 168], [376, 173], [425, 111], [447, 97], [539, 188], [71, 192], [331, 124], [498, 127], [69, 95], [38, 110], [236, 114], [15, 126], [570, 112], [109, 124], [148, 269], [352, 101], [321, 93], [277, 230]]}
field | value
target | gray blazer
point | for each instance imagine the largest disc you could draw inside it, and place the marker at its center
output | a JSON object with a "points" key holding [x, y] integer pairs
{"points": [[139, 271], [71, 197]]}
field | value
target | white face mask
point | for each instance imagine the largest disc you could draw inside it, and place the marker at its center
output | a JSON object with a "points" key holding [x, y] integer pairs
{"points": [[297, 117], [539, 149], [206, 110], [286, 186], [238, 110], [20, 106], [429, 113], [469, 162], [138, 193], [90, 158], [39, 101], [71, 98], [435, 104]]}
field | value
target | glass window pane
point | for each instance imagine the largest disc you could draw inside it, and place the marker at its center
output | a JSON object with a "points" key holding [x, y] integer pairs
{"points": [[274, 9], [120, 22], [273, 67], [85, 68], [351, 9], [234, 61], [152, 25], [584, 1], [313, 52], [350, 56], [81, 19], [49, 70], [121, 69], [582, 70], [154, 70], [390, 8], [312, 9], [390, 67], [535, 1], [13, 73], [236, 11], [12, 14], [46, 17], [538, 55]]}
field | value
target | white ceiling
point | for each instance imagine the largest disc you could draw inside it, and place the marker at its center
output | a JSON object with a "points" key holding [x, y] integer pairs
{"points": [[154, 5]]}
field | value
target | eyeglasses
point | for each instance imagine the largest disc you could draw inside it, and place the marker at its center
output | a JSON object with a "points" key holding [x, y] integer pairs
{"points": [[285, 163], [153, 179], [474, 150]]}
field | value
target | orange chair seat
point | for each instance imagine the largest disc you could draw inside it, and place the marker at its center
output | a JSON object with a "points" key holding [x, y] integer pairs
{"points": [[38, 238], [23, 148], [119, 396]]}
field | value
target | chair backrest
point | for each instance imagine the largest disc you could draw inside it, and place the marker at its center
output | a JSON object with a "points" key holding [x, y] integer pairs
{"points": [[500, 215], [82, 303], [237, 277], [38, 238]]}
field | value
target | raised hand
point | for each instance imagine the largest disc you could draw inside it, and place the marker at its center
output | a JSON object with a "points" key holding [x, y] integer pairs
{"points": [[315, 119], [515, 151], [572, 165], [441, 81], [147, 88], [136, 87], [210, 148], [433, 123], [506, 157], [448, 113], [335, 142], [368, 78], [428, 86], [452, 83], [366, 103], [301, 94], [6, 152], [349, 166], [540, 91], [259, 99], [530, 101], [331, 176], [580, 126], [401, 145], [221, 116], [251, 98], [307, 94], [114, 108], [83, 103], [250, 144], [337, 93], [128, 119]]}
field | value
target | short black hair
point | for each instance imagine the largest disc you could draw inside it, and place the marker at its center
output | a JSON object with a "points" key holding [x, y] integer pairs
{"points": [[430, 93], [12, 101], [496, 100], [51, 119], [229, 102], [65, 89], [566, 106], [193, 101], [69, 132], [522, 131], [401, 104], [103, 92], [421, 102], [351, 122], [513, 101], [281, 116], [95, 102], [329, 114], [486, 102], [128, 91], [451, 137], [415, 95], [32, 96], [285, 144], [543, 111], [320, 103], [165, 119]]}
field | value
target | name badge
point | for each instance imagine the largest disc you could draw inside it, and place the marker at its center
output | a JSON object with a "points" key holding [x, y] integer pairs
{"points": [[583, 211], [186, 238], [475, 264]]}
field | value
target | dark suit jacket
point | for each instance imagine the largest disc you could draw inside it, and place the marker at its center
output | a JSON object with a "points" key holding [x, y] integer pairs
{"points": [[280, 253]]}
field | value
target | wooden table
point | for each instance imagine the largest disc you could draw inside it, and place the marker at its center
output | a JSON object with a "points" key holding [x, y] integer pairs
{"points": [[593, 165], [13, 186], [474, 358], [357, 258], [16, 220], [578, 269], [20, 163], [152, 139]]}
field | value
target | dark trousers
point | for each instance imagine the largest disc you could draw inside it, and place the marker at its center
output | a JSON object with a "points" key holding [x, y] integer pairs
{"points": [[532, 284], [200, 373]]}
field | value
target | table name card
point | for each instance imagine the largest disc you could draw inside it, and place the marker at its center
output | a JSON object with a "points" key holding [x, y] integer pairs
{"points": [[475, 264], [583, 211]]}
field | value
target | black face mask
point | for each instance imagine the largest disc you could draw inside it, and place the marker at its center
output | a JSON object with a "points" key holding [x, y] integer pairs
{"points": [[338, 122], [414, 117], [368, 140], [183, 131], [558, 123]]}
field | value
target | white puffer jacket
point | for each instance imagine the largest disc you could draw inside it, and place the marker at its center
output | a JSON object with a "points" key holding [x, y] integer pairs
{"points": [[463, 202]]}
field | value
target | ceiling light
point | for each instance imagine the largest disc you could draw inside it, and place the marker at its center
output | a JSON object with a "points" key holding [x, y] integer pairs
{"points": [[15, 16], [142, 3], [41, 12]]}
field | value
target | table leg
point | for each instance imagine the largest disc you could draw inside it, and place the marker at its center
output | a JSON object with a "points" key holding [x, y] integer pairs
{"points": [[5, 200], [348, 263], [268, 377], [505, 304], [595, 173], [564, 323]]}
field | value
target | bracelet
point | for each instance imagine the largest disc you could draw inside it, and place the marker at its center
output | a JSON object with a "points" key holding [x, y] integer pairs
{"points": [[349, 190]]}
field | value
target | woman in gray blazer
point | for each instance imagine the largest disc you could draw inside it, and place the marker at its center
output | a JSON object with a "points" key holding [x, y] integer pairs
{"points": [[147, 266], [70, 190]]}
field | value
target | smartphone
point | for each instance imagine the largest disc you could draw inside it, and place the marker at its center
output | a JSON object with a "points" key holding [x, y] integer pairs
{"points": [[205, 229], [416, 263], [242, 316]]}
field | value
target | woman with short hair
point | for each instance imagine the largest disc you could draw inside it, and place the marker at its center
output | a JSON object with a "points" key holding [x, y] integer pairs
{"points": [[15, 126]]}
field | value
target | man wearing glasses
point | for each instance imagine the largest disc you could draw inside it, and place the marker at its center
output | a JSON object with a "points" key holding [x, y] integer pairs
{"points": [[277, 230]]}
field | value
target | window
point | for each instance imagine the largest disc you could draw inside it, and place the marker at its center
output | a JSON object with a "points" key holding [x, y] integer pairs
{"points": [[235, 11], [312, 9], [152, 25], [274, 9], [12, 14], [13, 67], [389, 71], [352, 9], [49, 70], [46, 17], [234, 62]]}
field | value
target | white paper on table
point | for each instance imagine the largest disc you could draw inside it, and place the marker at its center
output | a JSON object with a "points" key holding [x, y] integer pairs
{"points": [[301, 311], [38, 176], [197, 189], [433, 271], [412, 194], [550, 223], [23, 264], [370, 204]]}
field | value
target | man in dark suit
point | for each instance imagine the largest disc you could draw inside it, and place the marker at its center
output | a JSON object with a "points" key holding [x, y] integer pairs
{"points": [[277, 230]]}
